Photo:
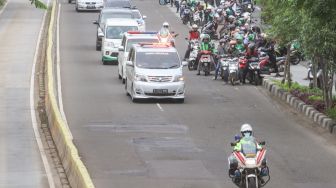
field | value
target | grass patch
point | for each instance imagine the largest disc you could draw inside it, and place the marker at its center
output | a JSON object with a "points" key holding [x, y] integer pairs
{"points": [[332, 113]]}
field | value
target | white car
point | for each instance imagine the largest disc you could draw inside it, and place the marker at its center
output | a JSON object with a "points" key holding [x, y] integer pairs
{"points": [[114, 30], [89, 5], [130, 38], [154, 71]]}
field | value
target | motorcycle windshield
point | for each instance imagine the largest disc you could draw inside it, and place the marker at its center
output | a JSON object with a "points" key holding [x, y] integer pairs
{"points": [[249, 148]]}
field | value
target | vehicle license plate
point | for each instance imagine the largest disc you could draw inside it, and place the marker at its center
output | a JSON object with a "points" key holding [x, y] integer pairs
{"points": [[160, 91], [91, 7]]}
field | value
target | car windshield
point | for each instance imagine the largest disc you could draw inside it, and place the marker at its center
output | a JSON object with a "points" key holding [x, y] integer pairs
{"points": [[130, 42], [157, 60], [106, 16], [116, 32], [119, 4]]}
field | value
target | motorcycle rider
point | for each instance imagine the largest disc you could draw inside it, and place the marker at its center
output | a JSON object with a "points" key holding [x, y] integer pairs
{"points": [[221, 50], [164, 33], [250, 53], [205, 45], [246, 138], [194, 34], [270, 50]]}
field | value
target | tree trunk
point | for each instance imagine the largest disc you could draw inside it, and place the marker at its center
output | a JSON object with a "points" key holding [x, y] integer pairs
{"points": [[287, 75], [314, 71], [326, 83]]}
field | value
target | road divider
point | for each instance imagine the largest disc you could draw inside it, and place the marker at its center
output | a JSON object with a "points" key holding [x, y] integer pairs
{"points": [[75, 169], [308, 110]]}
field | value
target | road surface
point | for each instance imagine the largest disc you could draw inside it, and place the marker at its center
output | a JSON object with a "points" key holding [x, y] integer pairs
{"points": [[20, 161], [162, 144]]}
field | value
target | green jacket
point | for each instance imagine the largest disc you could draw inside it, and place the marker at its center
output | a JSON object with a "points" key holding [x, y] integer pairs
{"points": [[207, 46], [247, 141]]}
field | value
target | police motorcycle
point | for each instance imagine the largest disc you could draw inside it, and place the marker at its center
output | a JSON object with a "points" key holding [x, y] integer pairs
{"points": [[250, 162]]}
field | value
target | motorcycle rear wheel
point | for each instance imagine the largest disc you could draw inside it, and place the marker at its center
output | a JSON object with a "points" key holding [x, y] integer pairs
{"points": [[190, 65]]}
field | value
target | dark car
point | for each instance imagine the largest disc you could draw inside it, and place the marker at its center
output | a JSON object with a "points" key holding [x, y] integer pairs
{"points": [[118, 3]]}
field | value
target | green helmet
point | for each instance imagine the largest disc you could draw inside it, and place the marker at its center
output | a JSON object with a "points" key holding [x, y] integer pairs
{"points": [[251, 37], [239, 37], [206, 36], [228, 12]]}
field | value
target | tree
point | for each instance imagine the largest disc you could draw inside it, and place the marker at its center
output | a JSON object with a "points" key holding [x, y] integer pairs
{"points": [[312, 23], [38, 4]]}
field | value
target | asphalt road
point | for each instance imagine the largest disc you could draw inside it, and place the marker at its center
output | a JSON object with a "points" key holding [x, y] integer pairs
{"points": [[162, 144], [20, 161]]}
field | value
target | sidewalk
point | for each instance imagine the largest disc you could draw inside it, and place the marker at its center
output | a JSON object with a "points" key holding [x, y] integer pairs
{"points": [[20, 161]]}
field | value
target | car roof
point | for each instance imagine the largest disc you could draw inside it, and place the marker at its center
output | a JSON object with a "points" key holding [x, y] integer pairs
{"points": [[118, 3], [116, 9], [140, 35], [121, 22], [150, 48]]}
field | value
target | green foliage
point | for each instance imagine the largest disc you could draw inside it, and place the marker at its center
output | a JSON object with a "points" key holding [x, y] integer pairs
{"points": [[2, 2], [38, 4], [296, 86], [315, 98], [332, 113]]}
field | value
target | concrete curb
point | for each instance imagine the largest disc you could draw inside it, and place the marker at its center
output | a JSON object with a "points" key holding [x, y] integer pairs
{"points": [[75, 169], [309, 111]]}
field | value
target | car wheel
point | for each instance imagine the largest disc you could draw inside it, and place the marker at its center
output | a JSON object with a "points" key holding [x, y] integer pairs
{"points": [[105, 62], [126, 89], [69, 1], [77, 10], [98, 48], [134, 100]]}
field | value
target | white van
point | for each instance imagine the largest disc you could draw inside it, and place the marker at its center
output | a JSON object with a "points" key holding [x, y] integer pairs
{"points": [[130, 38], [154, 71], [114, 30]]}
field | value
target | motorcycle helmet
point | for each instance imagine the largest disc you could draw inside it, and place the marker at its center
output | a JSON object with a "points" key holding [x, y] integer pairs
{"points": [[251, 37], [206, 38], [165, 25], [219, 11], [194, 27], [222, 41], [246, 130], [251, 46], [184, 2]]}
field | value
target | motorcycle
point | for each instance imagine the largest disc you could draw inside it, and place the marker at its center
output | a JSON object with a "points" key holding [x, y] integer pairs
{"points": [[210, 30], [186, 15], [295, 57], [234, 75], [196, 18], [206, 61], [250, 163], [311, 76], [193, 55], [253, 74], [265, 64]]}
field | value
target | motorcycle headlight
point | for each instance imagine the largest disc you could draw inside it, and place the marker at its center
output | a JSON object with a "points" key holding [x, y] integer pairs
{"points": [[141, 78], [109, 44], [178, 78]]}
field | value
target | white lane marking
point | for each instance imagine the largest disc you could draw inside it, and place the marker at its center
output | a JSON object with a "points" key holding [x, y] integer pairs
{"points": [[4, 6], [33, 110], [236, 88], [160, 107], [58, 67]]}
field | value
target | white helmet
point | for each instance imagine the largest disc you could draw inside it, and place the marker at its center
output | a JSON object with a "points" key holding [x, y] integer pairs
{"points": [[194, 26], [246, 128], [165, 24]]}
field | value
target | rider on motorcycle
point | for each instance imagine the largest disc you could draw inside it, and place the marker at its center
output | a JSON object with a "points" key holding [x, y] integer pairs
{"points": [[205, 46], [247, 138], [250, 53], [194, 34], [221, 50], [164, 33]]}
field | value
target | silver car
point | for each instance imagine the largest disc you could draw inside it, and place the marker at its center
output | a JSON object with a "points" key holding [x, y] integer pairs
{"points": [[89, 5]]}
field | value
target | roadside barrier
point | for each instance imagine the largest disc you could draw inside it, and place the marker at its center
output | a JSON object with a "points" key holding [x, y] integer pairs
{"points": [[75, 170], [308, 110]]}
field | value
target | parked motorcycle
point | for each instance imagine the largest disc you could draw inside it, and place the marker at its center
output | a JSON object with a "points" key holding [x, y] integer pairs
{"points": [[250, 163], [311, 76], [253, 74]]}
